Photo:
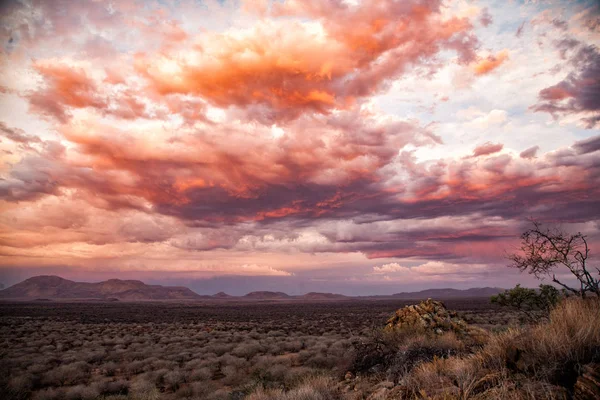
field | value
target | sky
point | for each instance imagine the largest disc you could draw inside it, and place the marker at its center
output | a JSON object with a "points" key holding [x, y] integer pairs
{"points": [[346, 146]]}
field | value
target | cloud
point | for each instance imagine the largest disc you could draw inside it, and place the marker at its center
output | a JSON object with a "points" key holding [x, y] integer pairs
{"points": [[254, 176], [587, 145], [254, 269], [441, 268], [490, 63], [18, 135], [486, 18], [66, 87], [265, 209], [205, 239], [589, 18], [484, 121], [579, 93], [519, 31], [431, 270], [487, 149], [34, 176], [392, 267], [530, 152], [66, 219], [289, 66]]}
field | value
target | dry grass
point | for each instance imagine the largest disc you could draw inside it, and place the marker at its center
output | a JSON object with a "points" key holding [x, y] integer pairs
{"points": [[392, 354], [571, 338], [313, 388]]}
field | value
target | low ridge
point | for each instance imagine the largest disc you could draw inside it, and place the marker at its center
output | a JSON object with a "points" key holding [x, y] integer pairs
{"points": [[222, 295], [55, 287], [448, 293], [323, 296], [266, 295]]}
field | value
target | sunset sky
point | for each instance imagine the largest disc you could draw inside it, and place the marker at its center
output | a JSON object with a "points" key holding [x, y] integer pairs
{"points": [[358, 147]]}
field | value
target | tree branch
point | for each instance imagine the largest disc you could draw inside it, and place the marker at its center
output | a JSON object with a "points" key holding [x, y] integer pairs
{"points": [[563, 285]]}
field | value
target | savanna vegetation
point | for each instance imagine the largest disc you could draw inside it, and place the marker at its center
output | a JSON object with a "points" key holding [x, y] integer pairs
{"points": [[124, 351], [189, 350]]}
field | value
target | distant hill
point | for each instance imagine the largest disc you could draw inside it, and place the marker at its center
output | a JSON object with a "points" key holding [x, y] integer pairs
{"points": [[323, 296], [49, 287], [55, 287], [222, 295], [448, 293], [263, 295]]}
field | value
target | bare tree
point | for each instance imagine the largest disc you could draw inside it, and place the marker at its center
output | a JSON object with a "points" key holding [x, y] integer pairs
{"points": [[545, 250]]}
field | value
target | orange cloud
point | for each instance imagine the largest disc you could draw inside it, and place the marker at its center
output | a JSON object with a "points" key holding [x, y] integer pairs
{"points": [[290, 65], [66, 87], [490, 63]]}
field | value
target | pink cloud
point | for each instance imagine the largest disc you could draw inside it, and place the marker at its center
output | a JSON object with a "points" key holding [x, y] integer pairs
{"points": [[486, 18], [487, 149], [530, 152]]}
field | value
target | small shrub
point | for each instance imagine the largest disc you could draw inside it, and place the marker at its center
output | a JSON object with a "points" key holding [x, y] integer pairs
{"points": [[143, 390], [48, 394], [532, 303], [20, 386], [81, 392], [173, 379], [314, 388], [69, 374]]}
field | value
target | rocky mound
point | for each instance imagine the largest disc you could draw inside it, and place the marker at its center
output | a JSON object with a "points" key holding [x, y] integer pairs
{"points": [[431, 316]]}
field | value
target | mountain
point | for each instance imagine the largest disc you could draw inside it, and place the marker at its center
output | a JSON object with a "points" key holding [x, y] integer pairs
{"points": [[264, 295], [323, 296], [448, 293], [55, 287], [222, 295]]}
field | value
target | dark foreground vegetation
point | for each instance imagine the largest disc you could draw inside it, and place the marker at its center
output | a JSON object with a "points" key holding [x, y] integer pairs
{"points": [[189, 350], [292, 351]]}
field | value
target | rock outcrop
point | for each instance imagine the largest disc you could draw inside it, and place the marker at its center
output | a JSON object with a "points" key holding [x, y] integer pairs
{"points": [[430, 316]]}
